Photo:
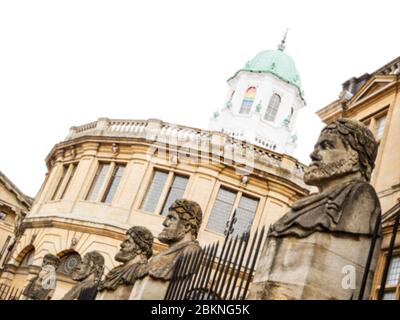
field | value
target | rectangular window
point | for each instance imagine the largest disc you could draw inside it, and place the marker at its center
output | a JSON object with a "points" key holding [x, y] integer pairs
{"points": [[154, 192], [98, 181], [176, 191], [394, 272], [68, 171], [68, 178], [245, 215], [380, 127], [113, 183], [222, 210], [390, 295], [226, 202], [163, 190], [59, 183], [5, 246]]}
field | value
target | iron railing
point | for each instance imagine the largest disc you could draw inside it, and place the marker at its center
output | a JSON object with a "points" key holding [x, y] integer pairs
{"points": [[388, 257], [9, 293], [210, 274]]}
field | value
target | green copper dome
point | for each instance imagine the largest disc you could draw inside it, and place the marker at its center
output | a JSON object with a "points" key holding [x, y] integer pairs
{"points": [[276, 62]]}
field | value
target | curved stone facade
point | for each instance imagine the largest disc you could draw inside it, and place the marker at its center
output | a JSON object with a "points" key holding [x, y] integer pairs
{"points": [[99, 179]]}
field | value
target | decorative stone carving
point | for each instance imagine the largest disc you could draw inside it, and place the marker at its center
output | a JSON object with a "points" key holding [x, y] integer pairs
{"points": [[115, 148], [69, 263], [42, 286], [19, 217], [323, 234], [181, 227], [88, 273], [134, 252]]}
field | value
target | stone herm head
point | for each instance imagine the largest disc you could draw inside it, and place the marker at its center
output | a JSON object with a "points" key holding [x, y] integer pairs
{"points": [[138, 240], [50, 264], [92, 263], [346, 150], [183, 220], [51, 259]]}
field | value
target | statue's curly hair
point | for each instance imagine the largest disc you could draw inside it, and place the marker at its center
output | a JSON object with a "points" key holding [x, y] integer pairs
{"points": [[190, 213], [356, 135], [97, 261], [143, 238], [51, 259]]}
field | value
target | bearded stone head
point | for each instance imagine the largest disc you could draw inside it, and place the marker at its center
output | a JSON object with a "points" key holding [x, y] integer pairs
{"points": [[184, 217], [138, 240], [345, 147], [92, 263]]}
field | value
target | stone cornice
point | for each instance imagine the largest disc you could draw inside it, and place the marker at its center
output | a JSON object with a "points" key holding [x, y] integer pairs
{"points": [[342, 107], [27, 201], [84, 226], [78, 225], [206, 145]]}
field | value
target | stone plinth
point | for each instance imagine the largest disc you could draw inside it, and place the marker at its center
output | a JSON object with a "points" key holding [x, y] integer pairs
{"points": [[320, 266], [121, 293], [149, 289]]}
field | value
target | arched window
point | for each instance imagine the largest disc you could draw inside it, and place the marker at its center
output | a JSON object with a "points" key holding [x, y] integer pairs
{"points": [[248, 100], [28, 259], [69, 262], [273, 107]]}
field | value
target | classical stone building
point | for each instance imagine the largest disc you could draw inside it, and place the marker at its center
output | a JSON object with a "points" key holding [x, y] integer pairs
{"points": [[109, 175], [14, 205], [375, 100]]}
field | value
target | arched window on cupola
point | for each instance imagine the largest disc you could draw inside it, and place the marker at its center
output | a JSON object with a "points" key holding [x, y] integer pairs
{"points": [[248, 100], [273, 107]]}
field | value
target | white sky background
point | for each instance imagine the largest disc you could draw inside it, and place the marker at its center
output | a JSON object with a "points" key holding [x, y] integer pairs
{"points": [[65, 63]]}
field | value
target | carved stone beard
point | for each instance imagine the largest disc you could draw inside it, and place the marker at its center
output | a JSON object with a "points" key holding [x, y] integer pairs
{"points": [[125, 256], [169, 236], [316, 175], [80, 275]]}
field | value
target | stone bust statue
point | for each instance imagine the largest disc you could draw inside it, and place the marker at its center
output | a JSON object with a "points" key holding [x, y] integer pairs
{"points": [[181, 226], [135, 250], [308, 249], [88, 273], [42, 286], [341, 167]]}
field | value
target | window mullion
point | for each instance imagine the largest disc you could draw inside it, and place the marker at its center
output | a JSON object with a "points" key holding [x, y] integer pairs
{"points": [[64, 182], [60, 179], [237, 200], [73, 168], [164, 193], [372, 125], [105, 182]]}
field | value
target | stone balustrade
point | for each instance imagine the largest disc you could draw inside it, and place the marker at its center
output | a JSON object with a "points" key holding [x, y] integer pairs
{"points": [[203, 141]]}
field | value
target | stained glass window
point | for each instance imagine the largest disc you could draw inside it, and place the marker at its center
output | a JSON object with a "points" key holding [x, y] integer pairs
{"points": [[248, 100]]}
